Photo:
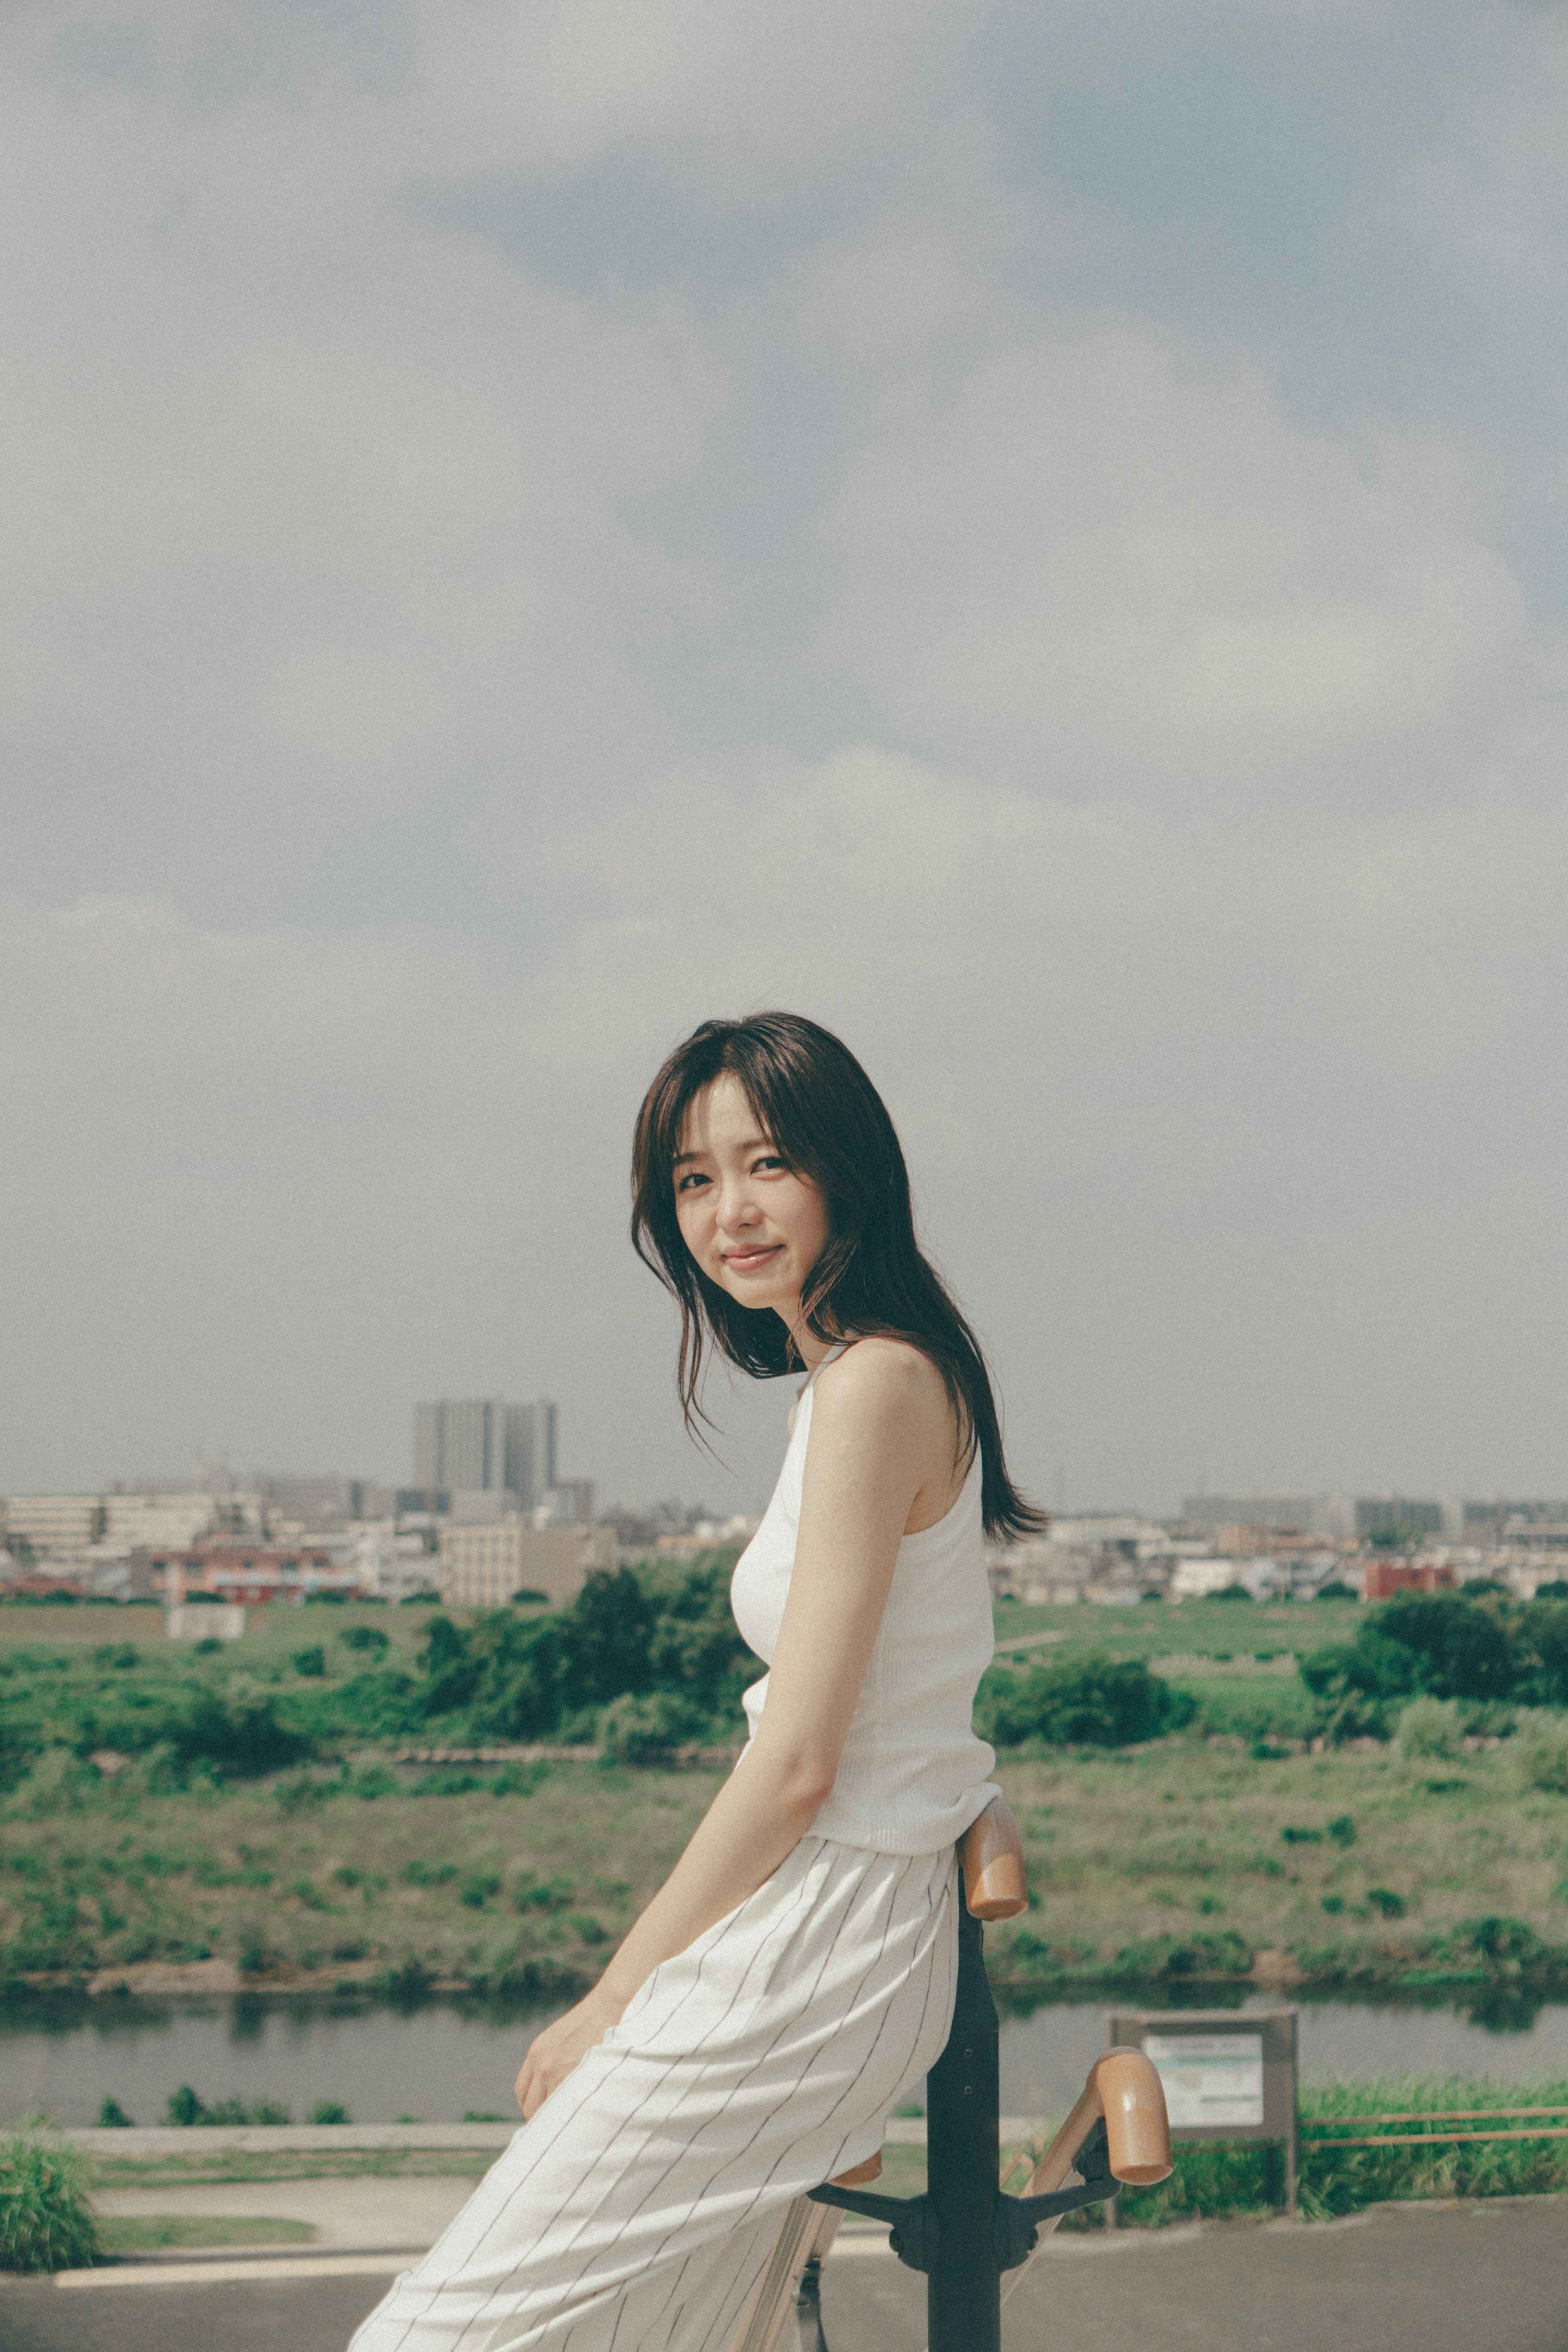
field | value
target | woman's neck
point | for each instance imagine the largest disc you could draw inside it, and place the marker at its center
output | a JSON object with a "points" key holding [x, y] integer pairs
{"points": [[811, 1350]]}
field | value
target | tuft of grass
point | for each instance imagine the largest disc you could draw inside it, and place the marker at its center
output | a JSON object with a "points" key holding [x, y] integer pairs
{"points": [[45, 2221], [186, 2109], [1432, 1727], [1543, 1754]]}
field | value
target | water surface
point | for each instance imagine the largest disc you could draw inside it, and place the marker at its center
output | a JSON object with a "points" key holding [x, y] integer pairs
{"points": [[445, 2058]]}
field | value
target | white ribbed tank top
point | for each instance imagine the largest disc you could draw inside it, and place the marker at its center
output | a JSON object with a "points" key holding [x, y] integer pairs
{"points": [[913, 1776]]}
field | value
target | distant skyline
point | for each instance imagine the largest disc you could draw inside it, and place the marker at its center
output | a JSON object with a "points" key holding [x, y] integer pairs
{"points": [[1035, 536]]}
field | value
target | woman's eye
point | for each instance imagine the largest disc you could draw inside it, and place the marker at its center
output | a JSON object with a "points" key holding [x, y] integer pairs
{"points": [[770, 1160], [690, 1181]]}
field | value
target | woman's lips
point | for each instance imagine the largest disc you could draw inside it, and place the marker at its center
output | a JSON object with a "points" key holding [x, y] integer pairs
{"points": [[743, 1261]]}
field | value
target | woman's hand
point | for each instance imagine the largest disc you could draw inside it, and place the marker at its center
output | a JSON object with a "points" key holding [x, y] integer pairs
{"points": [[553, 2053]]}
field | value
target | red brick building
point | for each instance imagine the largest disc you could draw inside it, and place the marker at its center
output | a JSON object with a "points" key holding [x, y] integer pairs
{"points": [[1384, 1578]]}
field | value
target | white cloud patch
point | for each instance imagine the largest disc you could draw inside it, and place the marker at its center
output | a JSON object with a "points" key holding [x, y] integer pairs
{"points": [[318, 512], [1094, 565]]}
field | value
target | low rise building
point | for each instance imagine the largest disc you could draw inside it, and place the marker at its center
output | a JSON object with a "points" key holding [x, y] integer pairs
{"points": [[60, 1526], [249, 1575], [1037, 1571], [483, 1566], [1382, 1578], [1199, 1579], [164, 1521], [394, 1564]]}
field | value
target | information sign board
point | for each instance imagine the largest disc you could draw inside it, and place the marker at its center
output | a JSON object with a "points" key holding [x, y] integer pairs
{"points": [[1225, 2073], [1209, 2078]]}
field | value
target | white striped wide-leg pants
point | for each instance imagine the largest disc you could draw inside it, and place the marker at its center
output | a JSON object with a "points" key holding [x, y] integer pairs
{"points": [[636, 2210]]}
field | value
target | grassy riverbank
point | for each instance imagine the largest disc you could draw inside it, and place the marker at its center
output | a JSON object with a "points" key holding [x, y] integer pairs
{"points": [[1185, 1860], [1227, 1851]]}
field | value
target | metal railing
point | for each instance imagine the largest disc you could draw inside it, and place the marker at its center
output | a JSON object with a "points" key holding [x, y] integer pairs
{"points": [[1433, 2136]]}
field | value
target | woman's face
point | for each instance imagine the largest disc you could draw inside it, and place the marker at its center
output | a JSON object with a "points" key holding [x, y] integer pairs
{"points": [[754, 1226]]}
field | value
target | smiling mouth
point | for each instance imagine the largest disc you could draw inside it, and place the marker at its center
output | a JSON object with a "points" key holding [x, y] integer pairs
{"points": [[743, 1259]]}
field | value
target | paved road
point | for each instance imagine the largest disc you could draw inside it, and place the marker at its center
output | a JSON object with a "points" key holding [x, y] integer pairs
{"points": [[1487, 2277]]}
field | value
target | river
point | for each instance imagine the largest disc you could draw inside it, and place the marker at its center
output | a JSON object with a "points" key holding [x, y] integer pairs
{"points": [[443, 2059]]}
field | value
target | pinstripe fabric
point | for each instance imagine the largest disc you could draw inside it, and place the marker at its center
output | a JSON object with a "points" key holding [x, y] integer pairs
{"points": [[635, 2211]]}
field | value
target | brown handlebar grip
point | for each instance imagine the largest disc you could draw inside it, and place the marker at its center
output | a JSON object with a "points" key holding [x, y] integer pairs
{"points": [[1137, 2124], [991, 1852]]}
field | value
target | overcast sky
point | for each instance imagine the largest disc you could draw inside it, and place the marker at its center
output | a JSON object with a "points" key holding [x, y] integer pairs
{"points": [[1034, 534]]}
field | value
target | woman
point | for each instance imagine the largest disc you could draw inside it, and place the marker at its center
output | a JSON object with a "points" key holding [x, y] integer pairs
{"points": [[794, 1976]]}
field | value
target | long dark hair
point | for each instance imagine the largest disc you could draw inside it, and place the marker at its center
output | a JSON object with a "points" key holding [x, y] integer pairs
{"points": [[821, 1113]]}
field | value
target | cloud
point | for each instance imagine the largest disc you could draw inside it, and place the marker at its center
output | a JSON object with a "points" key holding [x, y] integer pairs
{"points": [[1087, 561], [318, 513], [726, 91], [1498, 188]]}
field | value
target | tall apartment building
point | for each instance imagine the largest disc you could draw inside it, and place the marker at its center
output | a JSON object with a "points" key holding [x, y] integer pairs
{"points": [[530, 1451], [483, 1445]]}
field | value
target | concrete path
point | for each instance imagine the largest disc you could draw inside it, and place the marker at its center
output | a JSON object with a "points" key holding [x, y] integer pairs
{"points": [[1486, 2277], [366, 2213]]}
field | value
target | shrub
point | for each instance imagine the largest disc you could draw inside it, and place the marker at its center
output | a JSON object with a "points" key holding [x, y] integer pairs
{"points": [[364, 1637], [186, 2109], [238, 1730], [419, 1872], [644, 1730], [327, 2111], [303, 1788], [1431, 1726], [407, 1984], [311, 1662], [111, 2117], [1335, 1588], [1543, 1754], [1095, 1702], [45, 2221], [553, 1894], [1465, 1647], [1383, 1899]]}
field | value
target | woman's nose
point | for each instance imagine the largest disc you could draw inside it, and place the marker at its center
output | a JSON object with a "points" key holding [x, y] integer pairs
{"points": [[736, 1208]]}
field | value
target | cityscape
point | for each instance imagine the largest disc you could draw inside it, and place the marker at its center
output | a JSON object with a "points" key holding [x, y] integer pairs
{"points": [[489, 1515]]}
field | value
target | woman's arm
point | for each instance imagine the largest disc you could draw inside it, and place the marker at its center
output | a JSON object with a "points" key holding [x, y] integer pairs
{"points": [[882, 1430]]}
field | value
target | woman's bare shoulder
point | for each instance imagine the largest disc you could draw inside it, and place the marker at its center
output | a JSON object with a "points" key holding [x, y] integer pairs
{"points": [[880, 1376]]}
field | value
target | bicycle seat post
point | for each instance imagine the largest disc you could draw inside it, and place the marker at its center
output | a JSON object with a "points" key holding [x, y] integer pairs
{"points": [[963, 2291]]}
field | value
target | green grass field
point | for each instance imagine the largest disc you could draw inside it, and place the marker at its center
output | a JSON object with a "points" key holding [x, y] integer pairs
{"points": [[1185, 1858]]}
